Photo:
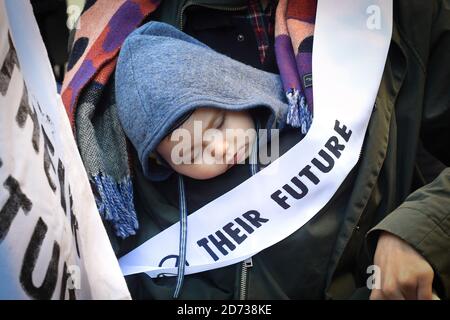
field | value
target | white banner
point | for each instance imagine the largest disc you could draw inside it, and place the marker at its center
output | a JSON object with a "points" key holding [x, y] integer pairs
{"points": [[351, 42], [52, 242]]}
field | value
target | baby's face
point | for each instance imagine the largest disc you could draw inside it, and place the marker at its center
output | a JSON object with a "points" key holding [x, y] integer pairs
{"points": [[209, 142]]}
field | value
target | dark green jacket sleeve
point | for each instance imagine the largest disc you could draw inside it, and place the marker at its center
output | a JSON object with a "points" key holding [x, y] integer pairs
{"points": [[423, 220], [435, 129]]}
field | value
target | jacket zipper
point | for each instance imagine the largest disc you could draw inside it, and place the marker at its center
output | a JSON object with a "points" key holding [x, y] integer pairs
{"points": [[194, 3], [248, 263]]}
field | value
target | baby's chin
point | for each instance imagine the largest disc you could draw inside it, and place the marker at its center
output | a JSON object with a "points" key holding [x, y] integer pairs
{"points": [[204, 171]]}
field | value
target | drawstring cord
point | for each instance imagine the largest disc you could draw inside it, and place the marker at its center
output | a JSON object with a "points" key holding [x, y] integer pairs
{"points": [[183, 215], [183, 237], [254, 168]]}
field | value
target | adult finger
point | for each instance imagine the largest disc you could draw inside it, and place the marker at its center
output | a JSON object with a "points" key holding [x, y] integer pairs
{"points": [[425, 287], [409, 286], [391, 290], [376, 294]]}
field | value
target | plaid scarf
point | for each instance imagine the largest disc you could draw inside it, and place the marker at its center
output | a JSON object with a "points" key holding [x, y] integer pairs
{"points": [[262, 21], [89, 99], [294, 28]]}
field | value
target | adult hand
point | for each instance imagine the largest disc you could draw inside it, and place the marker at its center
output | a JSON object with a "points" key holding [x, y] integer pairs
{"points": [[405, 274]]}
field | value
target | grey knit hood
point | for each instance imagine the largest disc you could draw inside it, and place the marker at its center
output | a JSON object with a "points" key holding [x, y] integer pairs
{"points": [[162, 74]]}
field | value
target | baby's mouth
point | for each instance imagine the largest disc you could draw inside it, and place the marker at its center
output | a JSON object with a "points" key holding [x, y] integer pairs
{"points": [[239, 156]]}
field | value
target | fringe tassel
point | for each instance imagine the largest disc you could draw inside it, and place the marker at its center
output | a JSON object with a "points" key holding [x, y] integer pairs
{"points": [[115, 204], [299, 115], [305, 115], [293, 117]]}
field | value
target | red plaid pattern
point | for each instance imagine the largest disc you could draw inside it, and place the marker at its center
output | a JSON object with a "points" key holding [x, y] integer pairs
{"points": [[263, 24]]}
